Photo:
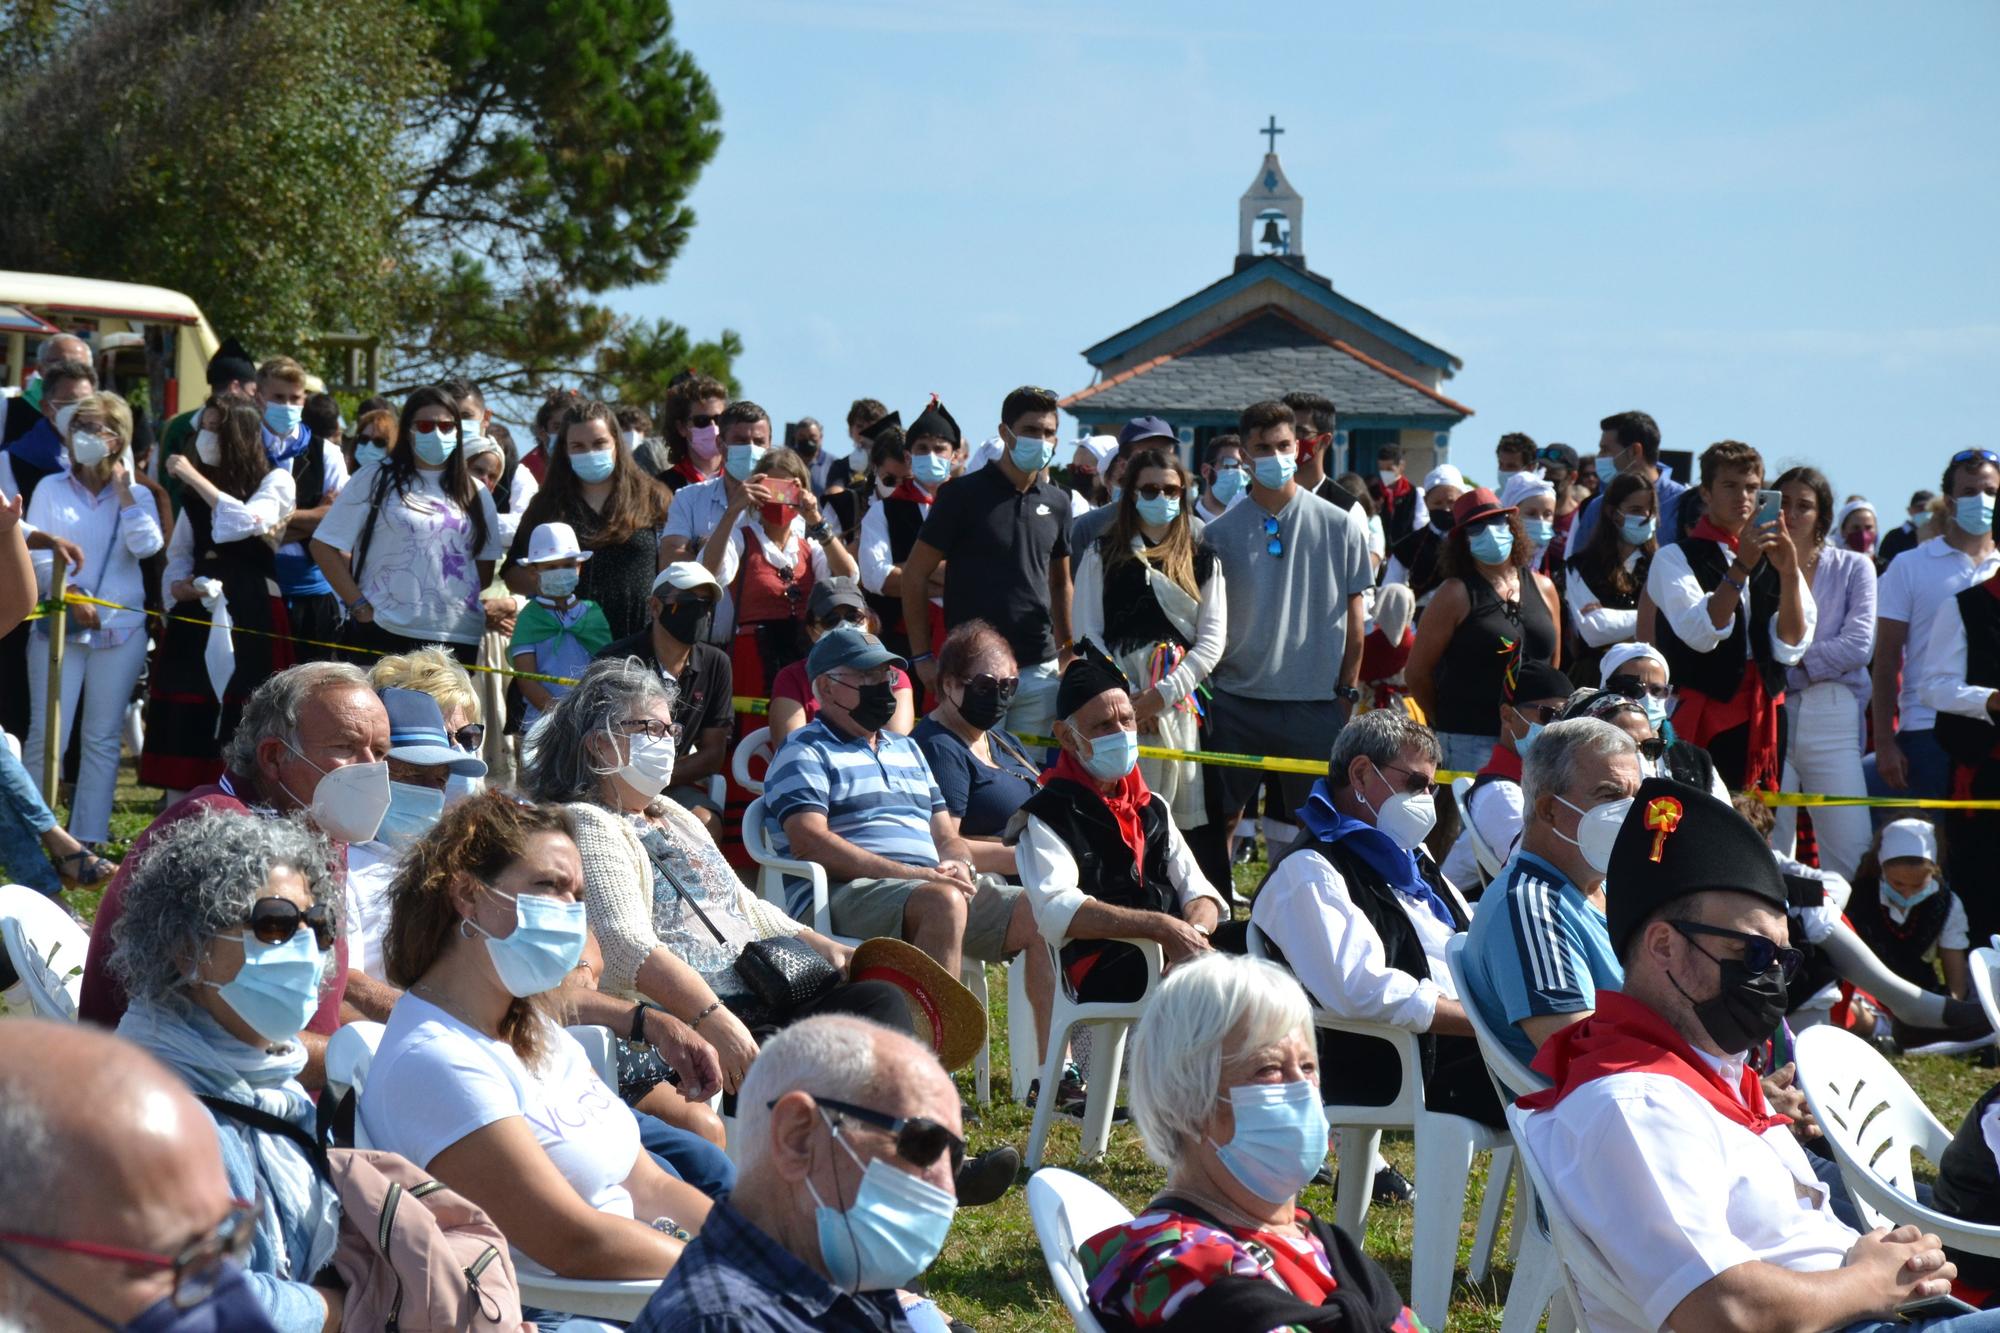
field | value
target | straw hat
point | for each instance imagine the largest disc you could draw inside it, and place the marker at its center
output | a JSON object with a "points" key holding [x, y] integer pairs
{"points": [[947, 1017]]}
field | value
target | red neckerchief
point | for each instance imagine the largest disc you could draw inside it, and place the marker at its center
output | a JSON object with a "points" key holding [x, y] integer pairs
{"points": [[1502, 763], [1124, 803], [1707, 531], [1700, 719], [1394, 493], [1625, 1037], [688, 468], [915, 494]]}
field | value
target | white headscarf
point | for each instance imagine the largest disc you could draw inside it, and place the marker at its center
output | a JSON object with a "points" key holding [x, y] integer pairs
{"points": [[1623, 653]]}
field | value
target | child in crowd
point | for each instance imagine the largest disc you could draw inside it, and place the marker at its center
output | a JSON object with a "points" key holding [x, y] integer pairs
{"points": [[557, 633], [1904, 912]]}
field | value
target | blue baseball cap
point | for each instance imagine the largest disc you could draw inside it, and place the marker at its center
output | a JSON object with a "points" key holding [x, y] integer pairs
{"points": [[847, 647], [417, 736], [1146, 428]]}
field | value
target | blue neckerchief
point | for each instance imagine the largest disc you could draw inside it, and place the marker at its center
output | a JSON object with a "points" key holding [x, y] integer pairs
{"points": [[1375, 847], [279, 448], [39, 445]]}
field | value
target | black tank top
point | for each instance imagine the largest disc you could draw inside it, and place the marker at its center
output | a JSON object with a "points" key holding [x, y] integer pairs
{"points": [[1494, 636]]}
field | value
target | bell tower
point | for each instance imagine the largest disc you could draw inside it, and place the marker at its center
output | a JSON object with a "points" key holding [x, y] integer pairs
{"points": [[1270, 217]]}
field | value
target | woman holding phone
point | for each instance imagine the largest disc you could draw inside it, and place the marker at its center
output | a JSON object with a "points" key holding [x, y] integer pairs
{"points": [[771, 546]]}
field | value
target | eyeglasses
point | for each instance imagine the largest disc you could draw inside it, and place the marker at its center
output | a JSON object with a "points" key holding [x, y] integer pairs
{"points": [[1150, 492], [434, 427], [470, 736], [275, 920], [1416, 784], [1968, 455], [920, 1140], [1759, 954], [1274, 545], [846, 615], [651, 726], [1633, 687], [700, 419], [197, 1269]]}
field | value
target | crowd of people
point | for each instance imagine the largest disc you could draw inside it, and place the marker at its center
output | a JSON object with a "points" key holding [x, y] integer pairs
{"points": [[446, 727]]}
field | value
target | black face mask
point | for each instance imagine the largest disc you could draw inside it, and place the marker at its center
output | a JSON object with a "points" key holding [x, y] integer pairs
{"points": [[982, 703], [1745, 1011], [686, 621], [1441, 519], [875, 706]]}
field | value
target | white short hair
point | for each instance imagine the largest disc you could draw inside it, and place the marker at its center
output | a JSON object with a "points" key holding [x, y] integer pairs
{"points": [[1205, 1012], [1551, 767], [829, 1056]]}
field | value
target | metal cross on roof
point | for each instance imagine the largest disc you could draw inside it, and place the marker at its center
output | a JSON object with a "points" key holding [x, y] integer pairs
{"points": [[1271, 132]]}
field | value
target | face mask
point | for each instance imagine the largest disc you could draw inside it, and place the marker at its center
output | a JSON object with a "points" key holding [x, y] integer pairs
{"points": [[1902, 904], [1389, 479], [651, 766], [1541, 531], [546, 943], [87, 448], [364, 454], [778, 516], [208, 448], [348, 803], [1607, 468], [1031, 455], [1275, 471], [557, 582], [686, 621], [884, 489], [1636, 529], [894, 1231], [1862, 540], [65, 415], [632, 438], [277, 991], [1114, 494], [1228, 484], [1440, 519], [1974, 513], [458, 786], [875, 705], [1745, 1010], [281, 419], [1491, 545], [702, 442], [1656, 712], [981, 705], [412, 811], [1596, 831], [232, 1307], [1113, 756], [1160, 510], [1406, 817], [930, 469], [1522, 746], [435, 446], [1280, 1139], [595, 465], [743, 460]]}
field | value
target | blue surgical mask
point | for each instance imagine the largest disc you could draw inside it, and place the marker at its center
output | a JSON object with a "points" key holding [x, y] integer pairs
{"points": [[894, 1231], [1031, 455], [1228, 484], [930, 470], [1974, 514], [1607, 468], [743, 460], [277, 989], [557, 582], [1541, 531], [1522, 746], [1902, 904], [593, 465], [412, 811], [364, 454], [282, 419], [1112, 757], [231, 1306], [435, 446], [458, 787], [1637, 529], [1492, 544], [1273, 472], [1280, 1140], [546, 943], [1656, 712], [1161, 509]]}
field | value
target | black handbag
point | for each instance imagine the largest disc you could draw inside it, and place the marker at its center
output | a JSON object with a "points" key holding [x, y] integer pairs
{"points": [[783, 974]]}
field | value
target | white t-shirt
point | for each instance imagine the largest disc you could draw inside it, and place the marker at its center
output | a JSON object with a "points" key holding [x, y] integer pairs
{"points": [[370, 868], [422, 575], [434, 1080], [1913, 587]]}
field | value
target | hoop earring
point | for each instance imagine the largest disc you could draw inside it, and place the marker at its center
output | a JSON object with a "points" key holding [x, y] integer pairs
{"points": [[466, 929]]}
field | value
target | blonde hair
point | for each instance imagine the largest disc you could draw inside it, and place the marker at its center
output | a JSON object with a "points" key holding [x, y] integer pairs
{"points": [[284, 369], [110, 409], [432, 671]]}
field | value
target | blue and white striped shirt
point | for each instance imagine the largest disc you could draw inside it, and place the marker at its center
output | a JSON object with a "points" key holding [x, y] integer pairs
{"points": [[1537, 947], [880, 798]]}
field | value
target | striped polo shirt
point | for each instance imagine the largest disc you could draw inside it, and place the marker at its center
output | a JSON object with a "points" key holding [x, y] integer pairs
{"points": [[1537, 947], [880, 797]]}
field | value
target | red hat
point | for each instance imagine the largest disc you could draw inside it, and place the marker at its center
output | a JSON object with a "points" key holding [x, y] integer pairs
{"points": [[1476, 504]]}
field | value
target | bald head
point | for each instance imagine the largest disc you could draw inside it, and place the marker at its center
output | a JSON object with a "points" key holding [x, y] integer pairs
{"points": [[105, 1144], [63, 347]]}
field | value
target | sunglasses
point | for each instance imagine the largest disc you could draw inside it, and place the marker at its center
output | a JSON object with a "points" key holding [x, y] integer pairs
{"points": [[920, 1140], [700, 419], [361, 441], [470, 736], [846, 615], [651, 726], [1274, 545], [197, 1269], [434, 427], [1968, 455], [1632, 687], [1653, 749], [1003, 688], [1155, 492], [1542, 713], [1759, 954], [1414, 783], [275, 920]]}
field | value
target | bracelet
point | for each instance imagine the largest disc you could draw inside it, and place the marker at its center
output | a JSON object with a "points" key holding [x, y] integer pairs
{"points": [[672, 1228], [358, 603], [638, 1032], [921, 657], [705, 1013], [1741, 591]]}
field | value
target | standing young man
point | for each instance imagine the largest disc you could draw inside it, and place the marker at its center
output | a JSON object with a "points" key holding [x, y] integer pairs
{"points": [[908, 473], [1630, 442], [1224, 478], [697, 509], [1395, 495], [318, 471], [1004, 531], [1904, 537]]}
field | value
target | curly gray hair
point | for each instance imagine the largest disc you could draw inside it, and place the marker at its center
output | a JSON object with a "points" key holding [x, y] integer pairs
{"points": [[275, 706], [198, 879], [560, 768]]}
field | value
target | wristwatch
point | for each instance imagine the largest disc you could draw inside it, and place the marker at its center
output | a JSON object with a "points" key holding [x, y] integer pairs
{"points": [[1347, 692], [819, 531], [638, 1033]]}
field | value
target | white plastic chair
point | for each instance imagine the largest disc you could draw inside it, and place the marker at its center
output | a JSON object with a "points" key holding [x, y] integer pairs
{"points": [[1876, 1123], [1985, 964], [1489, 861], [1110, 1024], [754, 745], [1445, 1148], [601, 1047], [1066, 1210], [46, 949], [1582, 1265]]}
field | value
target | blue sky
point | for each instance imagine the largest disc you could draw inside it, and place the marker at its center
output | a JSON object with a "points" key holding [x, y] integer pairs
{"points": [[1770, 223]]}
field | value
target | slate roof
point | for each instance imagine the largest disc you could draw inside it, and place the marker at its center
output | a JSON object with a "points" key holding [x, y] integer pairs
{"points": [[1265, 354]]}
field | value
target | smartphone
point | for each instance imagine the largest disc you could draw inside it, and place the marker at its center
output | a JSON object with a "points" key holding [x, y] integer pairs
{"points": [[1933, 1307], [1770, 504], [783, 490]]}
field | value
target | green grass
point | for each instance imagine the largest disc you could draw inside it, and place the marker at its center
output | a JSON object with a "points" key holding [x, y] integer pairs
{"points": [[991, 1275]]}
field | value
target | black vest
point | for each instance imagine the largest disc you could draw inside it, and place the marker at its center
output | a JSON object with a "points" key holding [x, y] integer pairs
{"points": [[1968, 740], [1419, 553], [1719, 674], [1968, 1188], [904, 519], [1370, 1072], [1902, 947], [1104, 868], [309, 471]]}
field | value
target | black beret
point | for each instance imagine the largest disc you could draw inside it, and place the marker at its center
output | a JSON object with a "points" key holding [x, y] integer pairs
{"points": [[1089, 674], [934, 421], [1538, 680], [1678, 840]]}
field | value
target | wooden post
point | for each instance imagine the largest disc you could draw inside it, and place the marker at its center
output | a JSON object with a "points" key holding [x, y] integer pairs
{"points": [[52, 719]]}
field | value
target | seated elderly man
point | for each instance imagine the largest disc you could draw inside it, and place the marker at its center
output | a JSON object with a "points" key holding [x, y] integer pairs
{"points": [[107, 1149], [860, 800], [1539, 952], [1493, 805], [848, 1135], [1361, 915], [1656, 1137]]}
